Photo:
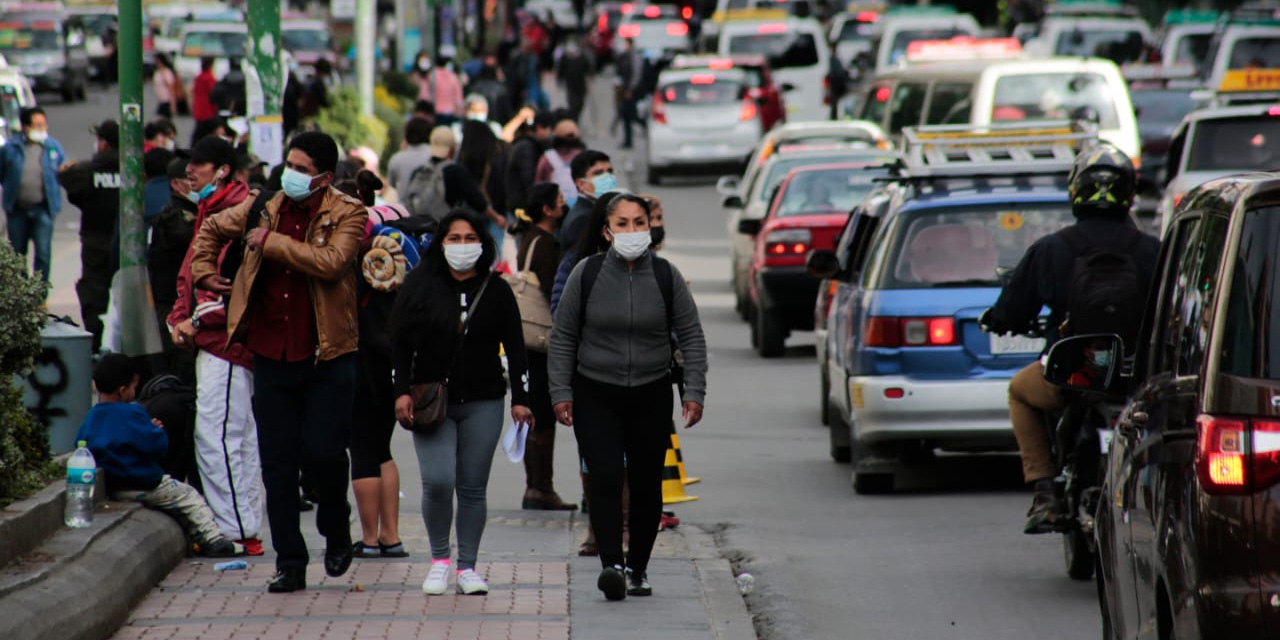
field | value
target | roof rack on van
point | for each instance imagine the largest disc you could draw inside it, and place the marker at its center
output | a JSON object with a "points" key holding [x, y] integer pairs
{"points": [[1006, 148]]}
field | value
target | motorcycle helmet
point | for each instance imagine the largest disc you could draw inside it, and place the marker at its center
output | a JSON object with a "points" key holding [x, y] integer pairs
{"points": [[1102, 179]]}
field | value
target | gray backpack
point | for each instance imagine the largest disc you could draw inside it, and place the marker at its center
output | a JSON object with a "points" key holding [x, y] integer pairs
{"points": [[425, 193]]}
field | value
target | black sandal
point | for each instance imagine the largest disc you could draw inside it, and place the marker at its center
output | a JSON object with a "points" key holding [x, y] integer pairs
{"points": [[396, 550], [362, 550]]}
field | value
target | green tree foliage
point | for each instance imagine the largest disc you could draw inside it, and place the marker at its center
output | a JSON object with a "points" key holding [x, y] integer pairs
{"points": [[24, 444], [342, 120]]}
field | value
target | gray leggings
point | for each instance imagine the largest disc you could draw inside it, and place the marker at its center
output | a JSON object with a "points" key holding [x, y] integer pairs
{"points": [[458, 455]]}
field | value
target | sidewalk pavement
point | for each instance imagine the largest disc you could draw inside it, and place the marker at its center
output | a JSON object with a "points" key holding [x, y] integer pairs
{"points": [[539, 589]]}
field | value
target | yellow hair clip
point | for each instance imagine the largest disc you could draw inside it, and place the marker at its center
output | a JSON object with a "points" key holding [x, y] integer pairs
{"points": [[521, 215]]}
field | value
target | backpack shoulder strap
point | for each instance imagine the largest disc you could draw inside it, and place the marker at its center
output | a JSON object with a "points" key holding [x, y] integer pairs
{"points": [[589, 275], [666, 283]]}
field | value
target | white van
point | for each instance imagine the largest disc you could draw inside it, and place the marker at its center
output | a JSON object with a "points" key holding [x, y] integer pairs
{"points": [[797, 54], [1243, 46], [979, 92], [896, 30], [1117, 38]]}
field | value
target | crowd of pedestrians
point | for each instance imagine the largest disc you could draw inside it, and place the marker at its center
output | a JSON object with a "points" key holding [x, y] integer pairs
{"points": [[303, 306]]}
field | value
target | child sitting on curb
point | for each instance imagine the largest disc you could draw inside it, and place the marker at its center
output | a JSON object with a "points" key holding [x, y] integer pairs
{"points": [[129, 446]]}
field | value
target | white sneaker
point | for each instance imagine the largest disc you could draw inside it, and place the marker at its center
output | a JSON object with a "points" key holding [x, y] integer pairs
{"points": [[471, 584], [437, 582]]}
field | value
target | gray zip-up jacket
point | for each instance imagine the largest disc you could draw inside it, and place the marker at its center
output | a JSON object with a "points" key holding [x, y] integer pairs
{"points": [[625, 341]]}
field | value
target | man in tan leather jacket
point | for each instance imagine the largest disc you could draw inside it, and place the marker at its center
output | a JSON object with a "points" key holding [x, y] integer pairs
{"points": [[293, 304]]}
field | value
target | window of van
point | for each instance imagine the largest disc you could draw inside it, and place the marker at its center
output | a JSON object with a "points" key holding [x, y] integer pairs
{"points": [[908, 102], [1193, 48], [904, 38], [783, 50], [950, 104], [1255, 53], [1235, 144], [1120, 45], [1249, 347], [1054, 96]]}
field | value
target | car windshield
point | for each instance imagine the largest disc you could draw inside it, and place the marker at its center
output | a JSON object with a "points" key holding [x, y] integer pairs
{"points": [[1054, 96], [1235, 144], [1161, 106], [1251, 340], [783, 165], [962, 246], [219, 44], [783, 50], [904, 39], [827, 191], [702, 90], [1120, 45], [305, 39], [1255, 53], [29, 36]]}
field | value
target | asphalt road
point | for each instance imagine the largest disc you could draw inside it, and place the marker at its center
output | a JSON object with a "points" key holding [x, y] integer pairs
{"points": [[945, 558]]}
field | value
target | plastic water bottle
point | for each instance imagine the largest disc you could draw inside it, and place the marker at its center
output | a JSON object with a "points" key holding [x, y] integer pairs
{"points": [[81, 474], [746, 583], [234, 565]]}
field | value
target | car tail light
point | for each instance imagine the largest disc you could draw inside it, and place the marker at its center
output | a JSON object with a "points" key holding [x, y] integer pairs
{"points": [[826, 90], [1237, 455], [1177, 199], [749, 109], [686, 13], [627, 8], [867, 16], [787, 243], [628, 31], [652, 11], [602, 24], [702, 79], [677, 29], [1273, 111], [883, 331], [658, 110], [720, 64], [825, 297]]}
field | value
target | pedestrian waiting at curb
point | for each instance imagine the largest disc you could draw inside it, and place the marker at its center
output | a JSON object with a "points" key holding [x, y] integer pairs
{"points": [[300, 261], [29, 173], [375, 477], [538, 253], [450, 317], [226, 435], [130, 446], [609, 366]]}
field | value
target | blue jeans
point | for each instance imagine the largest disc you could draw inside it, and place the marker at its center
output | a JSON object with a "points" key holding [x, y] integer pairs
{"points": [[33, 226]]}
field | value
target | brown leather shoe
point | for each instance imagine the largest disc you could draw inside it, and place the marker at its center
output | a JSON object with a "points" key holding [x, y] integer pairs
{"points": [[538, 500]]}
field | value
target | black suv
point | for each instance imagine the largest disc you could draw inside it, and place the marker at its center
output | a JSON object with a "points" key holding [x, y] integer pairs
{"points": [[1188, 521]]}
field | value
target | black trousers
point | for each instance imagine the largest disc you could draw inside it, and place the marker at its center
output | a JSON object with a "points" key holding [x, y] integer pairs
{"points": [[98, 264], [303, 410], [611, 422]]}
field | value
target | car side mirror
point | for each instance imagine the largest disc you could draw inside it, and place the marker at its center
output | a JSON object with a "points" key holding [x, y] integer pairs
{"points": [[732, 201], [1085, 363], [787, 87], [727, 185], [822, 263], [750, 226]]}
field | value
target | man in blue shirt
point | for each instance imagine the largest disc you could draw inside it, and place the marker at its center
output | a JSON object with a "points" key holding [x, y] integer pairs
{"points": [[29, 174]]}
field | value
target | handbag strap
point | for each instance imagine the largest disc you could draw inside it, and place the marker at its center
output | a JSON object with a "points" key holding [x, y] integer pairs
{"points": [[528, 255], [466, 326]]}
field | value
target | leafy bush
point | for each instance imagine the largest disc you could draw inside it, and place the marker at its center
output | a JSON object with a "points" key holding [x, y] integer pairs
{"points": [[342, 120], [400, 84], [24, 445]]}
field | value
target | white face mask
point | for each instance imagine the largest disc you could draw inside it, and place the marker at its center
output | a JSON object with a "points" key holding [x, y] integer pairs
{"points": [[463, 257], [631, 245], [38, 136]]}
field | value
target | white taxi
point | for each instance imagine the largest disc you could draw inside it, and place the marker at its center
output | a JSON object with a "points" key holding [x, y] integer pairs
{"points": [[797, 53], [701, 117]]}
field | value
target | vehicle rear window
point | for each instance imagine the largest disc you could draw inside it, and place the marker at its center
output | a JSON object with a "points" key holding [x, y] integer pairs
{"points": [[1054, 96], [29, 36], [1251, 338], [1166, 106], [305, 39], [855, 30], [784, 50], [903, 39], [1118, 45], [827, 191], [702, 90], [783, 165], [961, 247], [1193, 48], [219, 44], [1235, 144], [1255, 53]]}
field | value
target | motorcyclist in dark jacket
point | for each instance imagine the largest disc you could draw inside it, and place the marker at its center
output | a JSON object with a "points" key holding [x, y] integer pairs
{"points": [[1101, 188]]}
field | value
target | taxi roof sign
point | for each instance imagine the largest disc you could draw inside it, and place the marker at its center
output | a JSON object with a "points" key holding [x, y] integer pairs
{"points": [[1250, 81], [1191, 16], [744, 15], [964, 48]]}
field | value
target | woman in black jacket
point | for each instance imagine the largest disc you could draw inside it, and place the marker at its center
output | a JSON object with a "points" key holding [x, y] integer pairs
{"points": [[450, 317], [539, 252]]}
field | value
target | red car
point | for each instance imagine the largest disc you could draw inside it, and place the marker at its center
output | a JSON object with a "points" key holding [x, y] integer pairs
{"points": [[761, 87], [806, 213]]}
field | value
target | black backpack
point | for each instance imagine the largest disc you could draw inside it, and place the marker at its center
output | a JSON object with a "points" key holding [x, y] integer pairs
{"points": [[235, 251], [1107, 292], [173, 403], [666, 284]]}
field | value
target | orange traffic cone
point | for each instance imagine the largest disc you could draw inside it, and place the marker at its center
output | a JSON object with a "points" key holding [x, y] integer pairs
{"points": [[672, 486], [675, 446]]}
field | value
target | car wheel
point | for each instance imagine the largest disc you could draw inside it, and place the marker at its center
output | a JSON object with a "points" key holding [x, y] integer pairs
{"points": [[842, 453], [772, 336], [824, 402], [751, 322], [1077, 554], [869, 484], [653, 176]]}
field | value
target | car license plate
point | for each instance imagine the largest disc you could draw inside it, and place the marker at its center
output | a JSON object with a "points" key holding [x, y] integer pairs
{"points": [[1007, 345], [1104, 439]]}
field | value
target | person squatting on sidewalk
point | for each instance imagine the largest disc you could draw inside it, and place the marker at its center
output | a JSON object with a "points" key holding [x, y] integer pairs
{"points": [[609, 367], [299, 264], [226, 436], [129, 446], [449, 319]]}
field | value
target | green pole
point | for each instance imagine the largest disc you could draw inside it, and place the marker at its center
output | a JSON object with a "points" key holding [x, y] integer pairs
{"points": [[266, 127], [131, 289]]}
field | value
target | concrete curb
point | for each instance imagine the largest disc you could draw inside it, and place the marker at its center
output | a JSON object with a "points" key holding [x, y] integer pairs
{"points": [[25, 524], [81, 584], [726, 610]]}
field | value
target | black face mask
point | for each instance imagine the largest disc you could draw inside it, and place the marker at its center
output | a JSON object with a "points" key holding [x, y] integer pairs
{"points": [[567, 143], [657, 235], [564, 208]]}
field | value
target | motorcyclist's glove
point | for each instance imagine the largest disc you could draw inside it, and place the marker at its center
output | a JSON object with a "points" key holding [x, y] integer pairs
{"points": [[987, 323]]}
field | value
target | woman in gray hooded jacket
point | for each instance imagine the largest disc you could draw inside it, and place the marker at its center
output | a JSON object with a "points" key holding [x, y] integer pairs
{"points": [[610, 378]]}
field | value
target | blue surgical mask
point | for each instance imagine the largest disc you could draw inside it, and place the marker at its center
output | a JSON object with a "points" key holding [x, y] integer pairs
{"points": [[205, 192], [604, 183], [193, 196], [296, 185], [1102, 358]]}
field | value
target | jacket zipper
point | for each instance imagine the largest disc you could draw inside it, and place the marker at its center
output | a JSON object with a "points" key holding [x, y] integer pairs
{"points": [[631, 319]]}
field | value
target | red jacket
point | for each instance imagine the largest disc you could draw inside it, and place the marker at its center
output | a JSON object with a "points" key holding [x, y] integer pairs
{"points": [[209, 307], [202, 108]]}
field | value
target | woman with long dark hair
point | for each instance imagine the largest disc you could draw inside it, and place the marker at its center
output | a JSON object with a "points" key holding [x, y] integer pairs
{"points": [[450, 317], [538, 251], [609, 366]]}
